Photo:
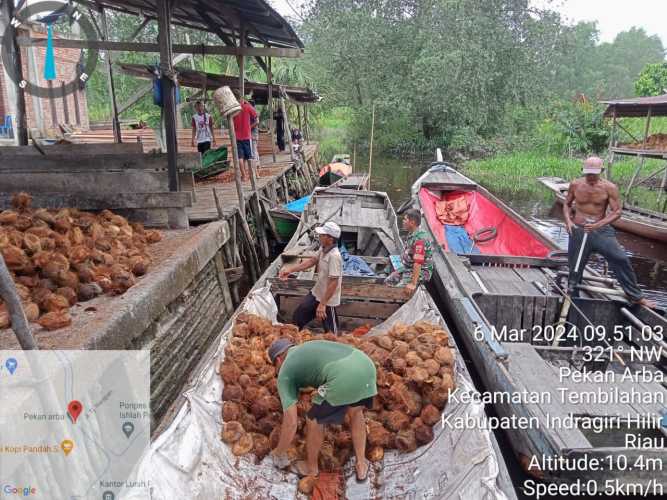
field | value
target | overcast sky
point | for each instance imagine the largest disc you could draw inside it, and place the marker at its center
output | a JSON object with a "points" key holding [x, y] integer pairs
{"points": [[613, 16]]}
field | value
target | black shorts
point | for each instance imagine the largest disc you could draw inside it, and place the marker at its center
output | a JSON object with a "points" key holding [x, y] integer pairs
{"points": [[245, 149], [202, 147], [326, 414]]}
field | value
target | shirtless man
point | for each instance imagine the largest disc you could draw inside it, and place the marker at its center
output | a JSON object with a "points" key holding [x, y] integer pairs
{"points": [[589, 197]]}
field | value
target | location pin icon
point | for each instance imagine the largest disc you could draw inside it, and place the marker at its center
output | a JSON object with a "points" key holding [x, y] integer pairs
{"points": [[74, 409], [11, 365], [128, 429], [67, 446]]}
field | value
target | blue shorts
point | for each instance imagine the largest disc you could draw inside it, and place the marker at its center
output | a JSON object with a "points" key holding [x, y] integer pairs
{"points": [[245, 149]]}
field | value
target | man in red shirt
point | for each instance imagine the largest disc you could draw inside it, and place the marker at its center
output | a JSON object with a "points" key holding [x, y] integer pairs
{"points": [[243, 132]]}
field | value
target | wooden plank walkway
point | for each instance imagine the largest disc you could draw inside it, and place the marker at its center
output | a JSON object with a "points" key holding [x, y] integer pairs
{"points": [[204, 208]]}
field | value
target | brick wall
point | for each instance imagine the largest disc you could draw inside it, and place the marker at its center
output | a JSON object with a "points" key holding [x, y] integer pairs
{"points": [[53, 110]]}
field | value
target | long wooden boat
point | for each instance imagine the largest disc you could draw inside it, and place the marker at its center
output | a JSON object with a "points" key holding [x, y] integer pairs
{"points": [[642, 222], [503, 299], [189, 456]]}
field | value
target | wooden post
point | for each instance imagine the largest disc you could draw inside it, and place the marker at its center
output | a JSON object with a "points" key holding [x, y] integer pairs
{"points": [[612, 144], [306, 131], [16, 65], [237, 166], [272, 125], [77, 112], [298, 113], [288, 129], [370, 153], [642, 158], [112, 89], [65, 107], [254, 200], [16, 314], [241, 61], [168, 91]]}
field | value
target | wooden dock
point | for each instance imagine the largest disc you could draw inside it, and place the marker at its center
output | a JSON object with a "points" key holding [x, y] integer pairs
{"points": [[277, 183]]}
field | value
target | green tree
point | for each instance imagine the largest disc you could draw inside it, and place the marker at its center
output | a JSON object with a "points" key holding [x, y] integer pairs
{"points": [[652, 80]]}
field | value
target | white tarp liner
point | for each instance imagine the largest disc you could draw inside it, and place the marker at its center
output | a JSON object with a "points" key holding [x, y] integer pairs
{"points": [[189, 461]]}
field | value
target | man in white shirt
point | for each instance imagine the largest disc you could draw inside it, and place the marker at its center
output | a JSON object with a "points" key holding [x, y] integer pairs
{"points": [[323, 299]]}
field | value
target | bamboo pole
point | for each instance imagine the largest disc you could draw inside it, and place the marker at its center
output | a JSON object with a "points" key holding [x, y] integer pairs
{"points": [[370, 154], [237, 167]]}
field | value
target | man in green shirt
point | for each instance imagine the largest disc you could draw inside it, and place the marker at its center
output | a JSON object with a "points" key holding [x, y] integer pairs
{"points": [[345, 380], [417, 257]]}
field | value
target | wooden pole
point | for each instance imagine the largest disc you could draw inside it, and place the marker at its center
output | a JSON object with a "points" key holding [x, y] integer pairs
{"points": [[168, 91], [16, 65], [370, 153], [272, 125], [241, 61], [237, 166], [15, 309], [115, 123], [642, 159], [288, 129], [65, 106], [612, 144], [305, 124], [354, 156], [298, 114], [254, 200]]}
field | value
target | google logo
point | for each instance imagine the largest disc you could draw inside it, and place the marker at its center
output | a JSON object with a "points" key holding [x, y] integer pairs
{"points": [[19, 491]]}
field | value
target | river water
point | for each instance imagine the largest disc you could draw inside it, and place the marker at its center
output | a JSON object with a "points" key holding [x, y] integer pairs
{"points": [[649, 258]]}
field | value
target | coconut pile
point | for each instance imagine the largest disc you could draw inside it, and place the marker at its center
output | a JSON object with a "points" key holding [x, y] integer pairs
{"points": [[60, 257], [415, 371]]}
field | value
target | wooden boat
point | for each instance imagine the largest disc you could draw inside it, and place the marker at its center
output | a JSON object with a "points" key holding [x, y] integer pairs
{"points": [[503, 299], [642, 222], [337, 169], [286, 218], [475, 467]]}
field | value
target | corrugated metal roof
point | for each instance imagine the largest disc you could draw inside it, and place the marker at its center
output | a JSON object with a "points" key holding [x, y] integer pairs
{"points": [[637, 106], [264, 25]]}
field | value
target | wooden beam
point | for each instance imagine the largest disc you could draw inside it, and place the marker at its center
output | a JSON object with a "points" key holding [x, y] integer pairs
{"points": [[269, 78], [288, 129], [16, 65], [241, 62], [155, 47], [168, 90], [110, 83]]}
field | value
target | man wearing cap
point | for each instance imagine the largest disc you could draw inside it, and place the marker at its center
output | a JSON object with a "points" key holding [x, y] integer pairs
{"points": [[585, 212], [323, 299], [345, 379]]}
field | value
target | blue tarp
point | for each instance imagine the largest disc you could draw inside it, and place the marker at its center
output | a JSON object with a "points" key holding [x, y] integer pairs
{"points": [[297, 205], [458, 240], [354, 265]]}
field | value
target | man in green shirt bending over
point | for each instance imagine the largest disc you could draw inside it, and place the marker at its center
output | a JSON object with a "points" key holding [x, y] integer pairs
{"points": [[345, 380]]}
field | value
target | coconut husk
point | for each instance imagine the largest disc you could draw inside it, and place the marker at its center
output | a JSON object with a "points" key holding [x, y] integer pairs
{"points": [[55, 320], [377, 434], [430, 415], [232, 392], [444, 356], [431, 366], [375, 454], [5, 321], [406, 441], [31, 311], [243, 446], [232, 432], [69, 294], [55, 302], [413, 359], [88, 291], [423, 433], [307, 484], [230, 411], [261, 446], [397, 420], [21, 201]]}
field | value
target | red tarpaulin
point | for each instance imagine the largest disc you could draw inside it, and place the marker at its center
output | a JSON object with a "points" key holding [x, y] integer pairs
{"points": [[511, 238]]}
